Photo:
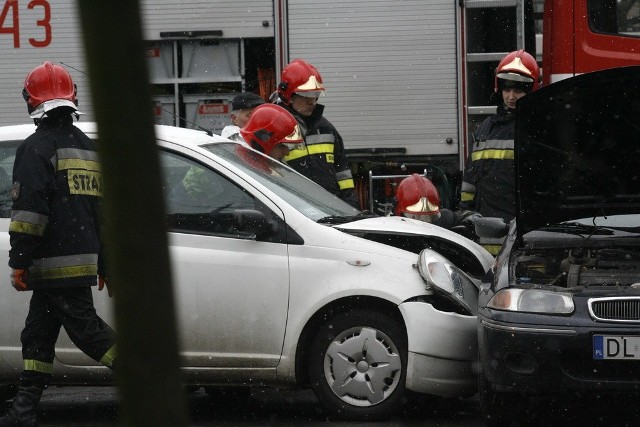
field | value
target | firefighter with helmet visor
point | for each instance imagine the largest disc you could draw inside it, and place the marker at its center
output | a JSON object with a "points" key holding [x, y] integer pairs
{"points": [[417, 198], [321, 157], [488, 183], [270, 130], [55, 236]]}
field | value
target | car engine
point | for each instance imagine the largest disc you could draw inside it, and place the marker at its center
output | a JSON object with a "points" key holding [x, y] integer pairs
{"points": [[571, 267]]}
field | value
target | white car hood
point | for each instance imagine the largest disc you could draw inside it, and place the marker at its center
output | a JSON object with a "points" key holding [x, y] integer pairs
{"points": [[429, 233]]}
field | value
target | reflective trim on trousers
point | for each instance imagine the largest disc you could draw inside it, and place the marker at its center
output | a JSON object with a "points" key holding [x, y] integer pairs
{"points": [[109, 357], [38, 366]]}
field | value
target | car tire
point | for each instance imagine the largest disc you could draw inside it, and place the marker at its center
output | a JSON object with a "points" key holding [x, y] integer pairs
{"points": [[502, 409], [357, 365]]}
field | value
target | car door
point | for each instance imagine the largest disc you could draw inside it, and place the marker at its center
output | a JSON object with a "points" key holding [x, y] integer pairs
{"points": [[231, 291], [13, 305]]}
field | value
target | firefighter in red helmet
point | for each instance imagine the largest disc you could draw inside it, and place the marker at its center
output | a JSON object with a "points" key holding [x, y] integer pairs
{"points": [[321, 157], [488, 185], [417, 198], [270, 129], [55, 237], [48, 87]]}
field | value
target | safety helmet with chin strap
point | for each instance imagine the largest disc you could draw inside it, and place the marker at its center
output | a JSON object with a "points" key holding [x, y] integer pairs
{"points": [[517, 70], [270, 125], [49, 86], [418, 198], [300, 78]]}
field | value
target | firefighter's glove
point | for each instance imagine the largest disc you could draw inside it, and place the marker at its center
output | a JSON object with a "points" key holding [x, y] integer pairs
{"points": [[470, 219], [102, 282], [19, 279]]}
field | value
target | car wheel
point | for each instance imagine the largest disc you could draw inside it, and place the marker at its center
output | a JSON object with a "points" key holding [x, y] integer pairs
{"points": [[357, 365], [502, 409]]}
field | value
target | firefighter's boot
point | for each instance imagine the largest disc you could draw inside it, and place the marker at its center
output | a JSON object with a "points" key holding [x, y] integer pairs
{"points": [[23, 411]]}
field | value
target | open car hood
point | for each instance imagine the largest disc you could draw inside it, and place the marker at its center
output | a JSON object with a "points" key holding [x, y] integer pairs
{"points": [[577, 149], [414, 236]]}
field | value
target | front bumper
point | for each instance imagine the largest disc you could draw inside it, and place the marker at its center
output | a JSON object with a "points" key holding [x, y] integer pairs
{"points": [[552, 359], [443, 351]]}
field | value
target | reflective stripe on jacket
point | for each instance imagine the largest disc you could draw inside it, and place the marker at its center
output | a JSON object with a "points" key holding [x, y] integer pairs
{"points": [[488, 184], [321, 157], [54, 229]]}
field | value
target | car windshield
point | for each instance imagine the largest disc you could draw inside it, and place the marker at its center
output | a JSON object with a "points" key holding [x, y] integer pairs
{"points": [[301, 193]]}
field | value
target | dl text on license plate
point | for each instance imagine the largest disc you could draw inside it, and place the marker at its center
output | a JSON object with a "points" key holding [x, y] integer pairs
{"points": [[616, 347]]}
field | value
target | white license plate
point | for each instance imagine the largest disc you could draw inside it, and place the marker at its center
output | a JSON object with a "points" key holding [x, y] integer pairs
{"points": [[616, 347]]}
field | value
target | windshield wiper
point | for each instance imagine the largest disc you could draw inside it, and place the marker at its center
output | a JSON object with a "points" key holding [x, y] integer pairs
{"points": [[343, 219], [577, 229]]}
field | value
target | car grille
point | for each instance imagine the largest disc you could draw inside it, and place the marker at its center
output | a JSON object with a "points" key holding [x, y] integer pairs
{"points": [[615, 309]]}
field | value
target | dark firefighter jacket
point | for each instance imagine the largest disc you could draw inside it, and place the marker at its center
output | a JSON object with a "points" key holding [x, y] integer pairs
{"points": [[321, 156], [57, 187], [488, 184]]}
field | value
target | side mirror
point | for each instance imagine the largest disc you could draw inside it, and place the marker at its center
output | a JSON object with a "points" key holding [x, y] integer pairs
{"points": [[493, 228], [253, 222]]}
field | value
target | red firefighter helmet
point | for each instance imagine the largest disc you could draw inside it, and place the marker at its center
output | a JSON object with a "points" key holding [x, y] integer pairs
{"points": [[517, 70], [301, 78], [418, 198], [49, 82], [270, 125]]}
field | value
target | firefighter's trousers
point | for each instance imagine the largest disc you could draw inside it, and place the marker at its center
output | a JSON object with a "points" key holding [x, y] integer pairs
{"points": [[71, 308]]}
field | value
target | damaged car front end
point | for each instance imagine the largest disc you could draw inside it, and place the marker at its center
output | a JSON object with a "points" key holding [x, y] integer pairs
{"points": [[451, 267]]}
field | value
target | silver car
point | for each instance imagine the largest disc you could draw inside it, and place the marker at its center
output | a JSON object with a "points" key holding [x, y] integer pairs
{"points": [[280, 283]]}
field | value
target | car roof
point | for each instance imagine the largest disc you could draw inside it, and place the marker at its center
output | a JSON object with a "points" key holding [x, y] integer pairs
{"points": [[163, 132], [577, 149]]}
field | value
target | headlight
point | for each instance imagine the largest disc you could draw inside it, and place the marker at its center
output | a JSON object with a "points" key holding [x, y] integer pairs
{"points": [[448, 280], [444, 277], [532, 301], [440, 274]]}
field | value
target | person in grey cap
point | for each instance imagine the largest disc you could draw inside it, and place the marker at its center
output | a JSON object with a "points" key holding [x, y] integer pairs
{"points": [[242, 106]]}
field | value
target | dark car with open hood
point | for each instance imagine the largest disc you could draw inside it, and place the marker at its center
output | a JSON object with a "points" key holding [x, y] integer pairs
{"points": [[559, 312]]}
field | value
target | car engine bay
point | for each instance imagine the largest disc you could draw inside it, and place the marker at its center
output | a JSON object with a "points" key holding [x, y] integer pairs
{"points": [[578, 266]]}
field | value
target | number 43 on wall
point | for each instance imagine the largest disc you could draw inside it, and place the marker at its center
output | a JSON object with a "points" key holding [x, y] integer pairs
{"points": [[10, 22]]}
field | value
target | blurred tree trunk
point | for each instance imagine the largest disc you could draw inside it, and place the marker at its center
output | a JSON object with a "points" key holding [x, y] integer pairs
{"points": [[147, 371]]}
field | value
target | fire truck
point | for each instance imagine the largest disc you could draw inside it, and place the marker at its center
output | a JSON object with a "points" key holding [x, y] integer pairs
{"points": [[407, 81]]}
